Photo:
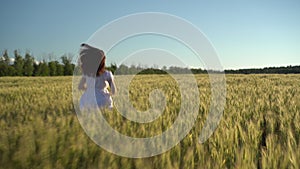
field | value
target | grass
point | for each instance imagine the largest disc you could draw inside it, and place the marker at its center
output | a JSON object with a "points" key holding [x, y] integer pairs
{"points": [[260, 127]]}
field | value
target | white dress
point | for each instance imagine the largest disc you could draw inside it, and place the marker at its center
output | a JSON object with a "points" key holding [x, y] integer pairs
{"points": [[96, 93]]}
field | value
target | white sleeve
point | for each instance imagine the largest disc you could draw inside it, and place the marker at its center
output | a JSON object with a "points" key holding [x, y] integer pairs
{"points": [[111, 82]]}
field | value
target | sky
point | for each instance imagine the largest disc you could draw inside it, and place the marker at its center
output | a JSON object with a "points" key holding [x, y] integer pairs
{"points": [[245, 34]]}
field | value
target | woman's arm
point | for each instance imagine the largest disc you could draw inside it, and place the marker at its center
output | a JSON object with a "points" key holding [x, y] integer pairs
{"points": [[112, 84], [82, 84]]}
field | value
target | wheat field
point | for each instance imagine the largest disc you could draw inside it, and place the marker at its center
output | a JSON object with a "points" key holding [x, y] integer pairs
{"points": [[260, 127]]}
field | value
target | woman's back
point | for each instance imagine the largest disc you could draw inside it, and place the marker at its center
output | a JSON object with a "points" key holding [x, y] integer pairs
{"points": [[96, 87], [98, 82]]}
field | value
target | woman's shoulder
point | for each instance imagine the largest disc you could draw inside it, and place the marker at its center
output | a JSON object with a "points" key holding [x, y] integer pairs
{"points": [[108, 74]]}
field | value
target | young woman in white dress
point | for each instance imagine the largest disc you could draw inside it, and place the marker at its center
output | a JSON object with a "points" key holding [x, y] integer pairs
{"points": [[95, 79]]}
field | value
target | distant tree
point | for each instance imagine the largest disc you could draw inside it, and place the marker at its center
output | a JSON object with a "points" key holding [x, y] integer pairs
{"points": [[175, 69], [59, 69], [122, 70], [18, 64], [297, 69], [68, 66], [198, 71], [112, 68], [11, 71], [3, 68], [6, 58], [37, 69], [164, 68], [52, 68], [28, 65], [4, 64], [132, 70], [44, 69], [152, 71]]}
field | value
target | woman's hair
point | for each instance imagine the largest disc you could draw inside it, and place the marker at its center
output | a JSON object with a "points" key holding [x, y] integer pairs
{"points": [[101, 66], [92, 60]]}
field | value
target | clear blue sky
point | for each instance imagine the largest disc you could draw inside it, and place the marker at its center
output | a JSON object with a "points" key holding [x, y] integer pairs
{"points": [[256, 33]]}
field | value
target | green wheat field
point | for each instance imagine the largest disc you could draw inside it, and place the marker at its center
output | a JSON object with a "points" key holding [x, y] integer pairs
{"points": [[260, 127]]}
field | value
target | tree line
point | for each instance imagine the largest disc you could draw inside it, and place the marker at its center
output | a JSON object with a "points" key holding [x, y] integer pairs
{"points": [[28, 66], [123, 69], [267, 70]]}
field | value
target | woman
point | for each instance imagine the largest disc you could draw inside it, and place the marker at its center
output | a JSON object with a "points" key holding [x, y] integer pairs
{"points": [[95, 79]]}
